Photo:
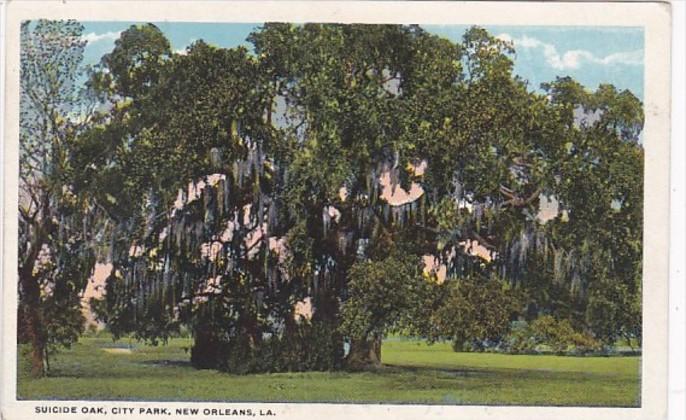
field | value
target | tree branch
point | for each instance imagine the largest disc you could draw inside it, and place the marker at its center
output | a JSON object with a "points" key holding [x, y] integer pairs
{"points": [[517, 201]]}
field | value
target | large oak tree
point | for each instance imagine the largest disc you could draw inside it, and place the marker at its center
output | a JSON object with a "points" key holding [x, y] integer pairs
{"points": [[244, 183]]}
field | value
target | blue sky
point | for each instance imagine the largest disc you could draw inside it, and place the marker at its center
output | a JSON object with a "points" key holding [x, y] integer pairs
{"points": [[591, 55]]}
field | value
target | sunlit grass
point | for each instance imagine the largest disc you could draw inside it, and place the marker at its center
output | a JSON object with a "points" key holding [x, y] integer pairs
{"points": [[413, 372]]}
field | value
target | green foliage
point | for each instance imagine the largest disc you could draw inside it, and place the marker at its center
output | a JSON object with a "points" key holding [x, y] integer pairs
{"points": [[474, 312], [58, 225], [558, 335], [521, 339], [134, 63], [613, 312], [306, 347], [380, 294]]}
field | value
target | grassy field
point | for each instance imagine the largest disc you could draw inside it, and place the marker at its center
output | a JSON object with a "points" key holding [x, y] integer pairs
{"points": [[98, 369]]}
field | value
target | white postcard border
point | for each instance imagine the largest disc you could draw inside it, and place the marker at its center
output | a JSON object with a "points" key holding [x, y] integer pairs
{"points": [[654, 17]]}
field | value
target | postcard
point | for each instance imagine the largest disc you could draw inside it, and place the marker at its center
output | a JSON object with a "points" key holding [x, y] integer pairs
{"points": [[306, 209]]}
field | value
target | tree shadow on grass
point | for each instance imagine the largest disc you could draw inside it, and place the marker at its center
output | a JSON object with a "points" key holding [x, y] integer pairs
{"points": [[454, 372], [167, 362], [487, 381], [484, 375]]}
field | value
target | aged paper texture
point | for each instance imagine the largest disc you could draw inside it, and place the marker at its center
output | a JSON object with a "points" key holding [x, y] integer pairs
{"points": [[292, 209]]}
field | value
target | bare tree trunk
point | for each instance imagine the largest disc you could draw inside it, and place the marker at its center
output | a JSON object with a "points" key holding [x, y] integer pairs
{"points": [[30, 291], [364, 354], [47, 360], [34, 323]]}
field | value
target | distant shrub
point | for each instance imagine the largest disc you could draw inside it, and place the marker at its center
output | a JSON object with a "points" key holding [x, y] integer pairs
{"points": [[558, 335], [475, 315], [520, 340]]}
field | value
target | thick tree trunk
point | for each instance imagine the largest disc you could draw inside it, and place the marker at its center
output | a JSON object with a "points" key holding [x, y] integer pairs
{"points": [[37, 343], [326, 315], [364, 354], [205, 350]]}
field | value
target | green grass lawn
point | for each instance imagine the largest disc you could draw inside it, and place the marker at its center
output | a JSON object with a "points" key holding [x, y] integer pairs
{"points": [[413, 372]]}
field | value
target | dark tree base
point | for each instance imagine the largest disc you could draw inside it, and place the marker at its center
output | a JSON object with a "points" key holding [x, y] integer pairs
{"points": [[364, 354]]}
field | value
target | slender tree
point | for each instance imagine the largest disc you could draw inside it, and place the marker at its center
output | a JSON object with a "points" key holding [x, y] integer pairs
{"points": [[56, 222]]}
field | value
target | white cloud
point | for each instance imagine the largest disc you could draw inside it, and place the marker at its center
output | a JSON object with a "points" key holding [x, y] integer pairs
{"points": [[572, 59], [92, 37], [504, 37], [184, 50]]}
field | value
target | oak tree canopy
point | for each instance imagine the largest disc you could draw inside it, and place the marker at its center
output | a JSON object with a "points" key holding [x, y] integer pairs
{"points": [[325, 165]]}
